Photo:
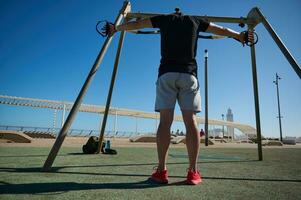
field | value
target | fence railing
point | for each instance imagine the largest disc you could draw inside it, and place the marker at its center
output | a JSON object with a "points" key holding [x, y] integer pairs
{"points": [[71, 132]]}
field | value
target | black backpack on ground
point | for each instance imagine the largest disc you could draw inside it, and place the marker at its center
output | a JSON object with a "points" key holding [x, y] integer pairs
{"points": [[91, 147]]}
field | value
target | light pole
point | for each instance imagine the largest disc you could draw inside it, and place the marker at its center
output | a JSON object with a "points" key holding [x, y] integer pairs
{"points": [[223, 126], [206, 97], [278, 100]]}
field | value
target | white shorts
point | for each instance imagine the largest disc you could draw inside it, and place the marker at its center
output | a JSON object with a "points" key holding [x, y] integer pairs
{"points": [[173, 86]]}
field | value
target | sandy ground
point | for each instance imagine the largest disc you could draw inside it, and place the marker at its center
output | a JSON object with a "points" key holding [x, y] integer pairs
{"points": [[124, 142]]}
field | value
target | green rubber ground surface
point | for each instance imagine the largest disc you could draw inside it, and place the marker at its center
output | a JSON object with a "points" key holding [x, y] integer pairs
{"points": [[227, 174]]}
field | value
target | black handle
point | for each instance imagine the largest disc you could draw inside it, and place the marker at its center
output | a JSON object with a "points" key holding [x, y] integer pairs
{"points": [[104, 31]]}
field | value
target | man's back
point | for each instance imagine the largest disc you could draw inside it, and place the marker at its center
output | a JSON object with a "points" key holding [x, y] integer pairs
{"points": [[179, 36]]}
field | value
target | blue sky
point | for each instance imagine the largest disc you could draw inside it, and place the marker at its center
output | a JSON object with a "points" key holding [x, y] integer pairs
{"points": [[48, 47]]}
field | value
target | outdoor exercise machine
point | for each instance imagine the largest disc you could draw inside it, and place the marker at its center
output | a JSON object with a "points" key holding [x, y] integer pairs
{"points": [[253, 18]]}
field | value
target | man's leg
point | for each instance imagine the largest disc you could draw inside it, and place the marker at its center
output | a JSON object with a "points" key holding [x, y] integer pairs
{"points": [[190, 100], [192, 138], [163, 136]]}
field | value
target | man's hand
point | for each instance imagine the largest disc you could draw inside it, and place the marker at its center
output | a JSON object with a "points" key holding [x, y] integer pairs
{"points": [[244, 39], [251, 37], [111, 29]]}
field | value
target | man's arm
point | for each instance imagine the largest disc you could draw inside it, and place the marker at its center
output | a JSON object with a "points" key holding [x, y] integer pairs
{"points": [[134, 25], [219, 30]]}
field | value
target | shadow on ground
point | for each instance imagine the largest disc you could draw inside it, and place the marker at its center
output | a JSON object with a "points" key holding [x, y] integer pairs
{"points": [[38, 188], [59, 187]]}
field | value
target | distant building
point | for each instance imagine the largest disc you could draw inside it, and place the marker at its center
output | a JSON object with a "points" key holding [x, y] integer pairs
{"points": [[229, 118]]}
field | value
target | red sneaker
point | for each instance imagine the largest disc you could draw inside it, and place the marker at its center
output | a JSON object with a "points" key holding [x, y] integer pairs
{"points": [[160, 176], [193, 177]]}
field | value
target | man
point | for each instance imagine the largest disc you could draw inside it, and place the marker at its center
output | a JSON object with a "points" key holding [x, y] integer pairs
{"points": [[177, 81]]}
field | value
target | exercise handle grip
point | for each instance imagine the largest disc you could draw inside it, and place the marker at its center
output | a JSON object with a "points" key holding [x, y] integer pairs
{"points": [[250, 41], [104, 31]]}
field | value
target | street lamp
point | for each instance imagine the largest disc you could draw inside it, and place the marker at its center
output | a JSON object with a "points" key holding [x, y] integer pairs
{"points": [[278, 100], [223, 126], [206, 98]]}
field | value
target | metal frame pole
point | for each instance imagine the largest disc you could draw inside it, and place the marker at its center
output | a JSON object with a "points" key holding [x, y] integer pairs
{"points": [[106, 113], [63, 115], [256, 99], [236, 20], [206, 98], [279, 42], [278, 101], [63, 132]]}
